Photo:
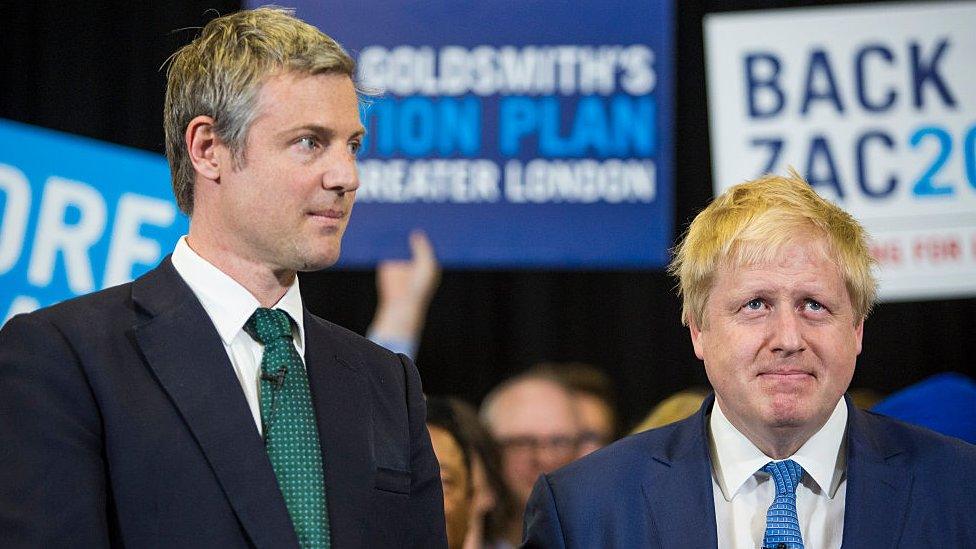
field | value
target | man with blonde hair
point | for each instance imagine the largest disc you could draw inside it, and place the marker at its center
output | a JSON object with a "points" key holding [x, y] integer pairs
{"points": [[776, 284], [203, 405]]}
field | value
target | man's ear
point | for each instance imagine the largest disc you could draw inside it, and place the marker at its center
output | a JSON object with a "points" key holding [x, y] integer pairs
{"points": [[858, 335], [202, 144], [697, 338]]}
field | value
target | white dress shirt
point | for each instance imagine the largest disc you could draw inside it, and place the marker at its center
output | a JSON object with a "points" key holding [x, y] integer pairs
{"points": [[229, 306], [742, 493]]}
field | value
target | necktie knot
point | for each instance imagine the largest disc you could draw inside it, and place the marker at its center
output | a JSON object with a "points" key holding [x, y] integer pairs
{"points": [[269, 325], [786, 474], [782, 522]]}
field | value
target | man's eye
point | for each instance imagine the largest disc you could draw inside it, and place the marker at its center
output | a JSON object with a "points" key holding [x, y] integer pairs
{"points": [[354, 147], [754, 304], [308, 142], [814, 305]]}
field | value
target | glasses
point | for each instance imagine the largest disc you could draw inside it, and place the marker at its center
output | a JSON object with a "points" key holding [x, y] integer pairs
{"points": [[592, 438], [529, 445]]}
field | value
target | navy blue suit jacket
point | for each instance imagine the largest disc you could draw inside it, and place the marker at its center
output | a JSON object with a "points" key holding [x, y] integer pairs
{"points": [[122, 423], [906, 487]]}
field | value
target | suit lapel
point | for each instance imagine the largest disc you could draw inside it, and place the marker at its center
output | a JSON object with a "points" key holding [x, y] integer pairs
{"points": [[183, 349], [678, 487], [879, 485], [342, 408]]}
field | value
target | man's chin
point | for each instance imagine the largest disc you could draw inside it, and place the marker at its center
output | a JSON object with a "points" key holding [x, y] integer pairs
{"points": [[788, 412], [319, 262]]}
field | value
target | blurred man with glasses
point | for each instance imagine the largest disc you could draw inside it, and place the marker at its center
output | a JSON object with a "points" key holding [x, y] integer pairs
{"points": [[536, 424]]}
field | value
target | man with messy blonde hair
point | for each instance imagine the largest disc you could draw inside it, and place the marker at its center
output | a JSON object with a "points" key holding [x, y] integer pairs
{"points": [[203, 405], [753, 222], [776, 285]]}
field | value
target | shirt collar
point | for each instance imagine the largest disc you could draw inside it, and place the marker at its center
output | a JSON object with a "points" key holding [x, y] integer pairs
{"points": [[735, 459], [228, 304]]}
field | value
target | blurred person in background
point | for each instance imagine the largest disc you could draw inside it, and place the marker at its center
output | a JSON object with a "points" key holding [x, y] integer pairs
{"points": [[594, 397], [404, 290], [535, 422], [453, 451], [945, 403], [865, 397], [493, 506], [673, 408]]}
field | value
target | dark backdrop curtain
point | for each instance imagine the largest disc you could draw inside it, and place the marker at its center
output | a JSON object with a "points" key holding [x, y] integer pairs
{"points": [[94, 69]]}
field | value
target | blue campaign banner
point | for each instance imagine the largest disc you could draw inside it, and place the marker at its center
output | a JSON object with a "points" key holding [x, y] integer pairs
{"points": [[516, 134], [77, 215]]}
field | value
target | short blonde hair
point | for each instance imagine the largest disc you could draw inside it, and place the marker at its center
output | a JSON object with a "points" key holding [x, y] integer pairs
{"points": [[220, 73], [751, 222], [674, 408]]}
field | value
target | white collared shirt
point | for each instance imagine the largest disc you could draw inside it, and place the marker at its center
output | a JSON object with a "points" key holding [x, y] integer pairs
{"points": [[742, 493], [229, 306]]}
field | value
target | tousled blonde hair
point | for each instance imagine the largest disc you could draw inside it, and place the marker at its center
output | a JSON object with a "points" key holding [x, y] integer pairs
{"points": [[752, 222]]}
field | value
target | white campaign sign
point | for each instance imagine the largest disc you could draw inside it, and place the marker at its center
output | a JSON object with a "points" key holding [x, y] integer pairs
{"points": [[876, 106]]}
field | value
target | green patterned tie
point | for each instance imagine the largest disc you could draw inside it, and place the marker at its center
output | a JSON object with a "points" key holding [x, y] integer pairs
{"points": [[290, 434]]}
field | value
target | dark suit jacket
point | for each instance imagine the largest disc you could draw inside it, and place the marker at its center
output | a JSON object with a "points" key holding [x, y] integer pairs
{"points": [[906, 487], [122, 423]]}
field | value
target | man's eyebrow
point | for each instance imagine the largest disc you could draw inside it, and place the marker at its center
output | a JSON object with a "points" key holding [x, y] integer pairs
{"points": [[322, 132]]}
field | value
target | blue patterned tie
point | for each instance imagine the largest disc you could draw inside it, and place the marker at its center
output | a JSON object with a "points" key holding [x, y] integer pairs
{"points": [[782, 524]]}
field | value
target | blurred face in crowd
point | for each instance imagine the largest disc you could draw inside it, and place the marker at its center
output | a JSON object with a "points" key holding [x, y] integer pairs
{"points": [[596, 422], [535, 423], [456, 481], [484, 499], [779, 344]]}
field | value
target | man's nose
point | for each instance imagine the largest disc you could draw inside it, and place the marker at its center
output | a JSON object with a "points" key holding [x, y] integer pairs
{"points": [[786, 336], [341, 174], [554, 455]]}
